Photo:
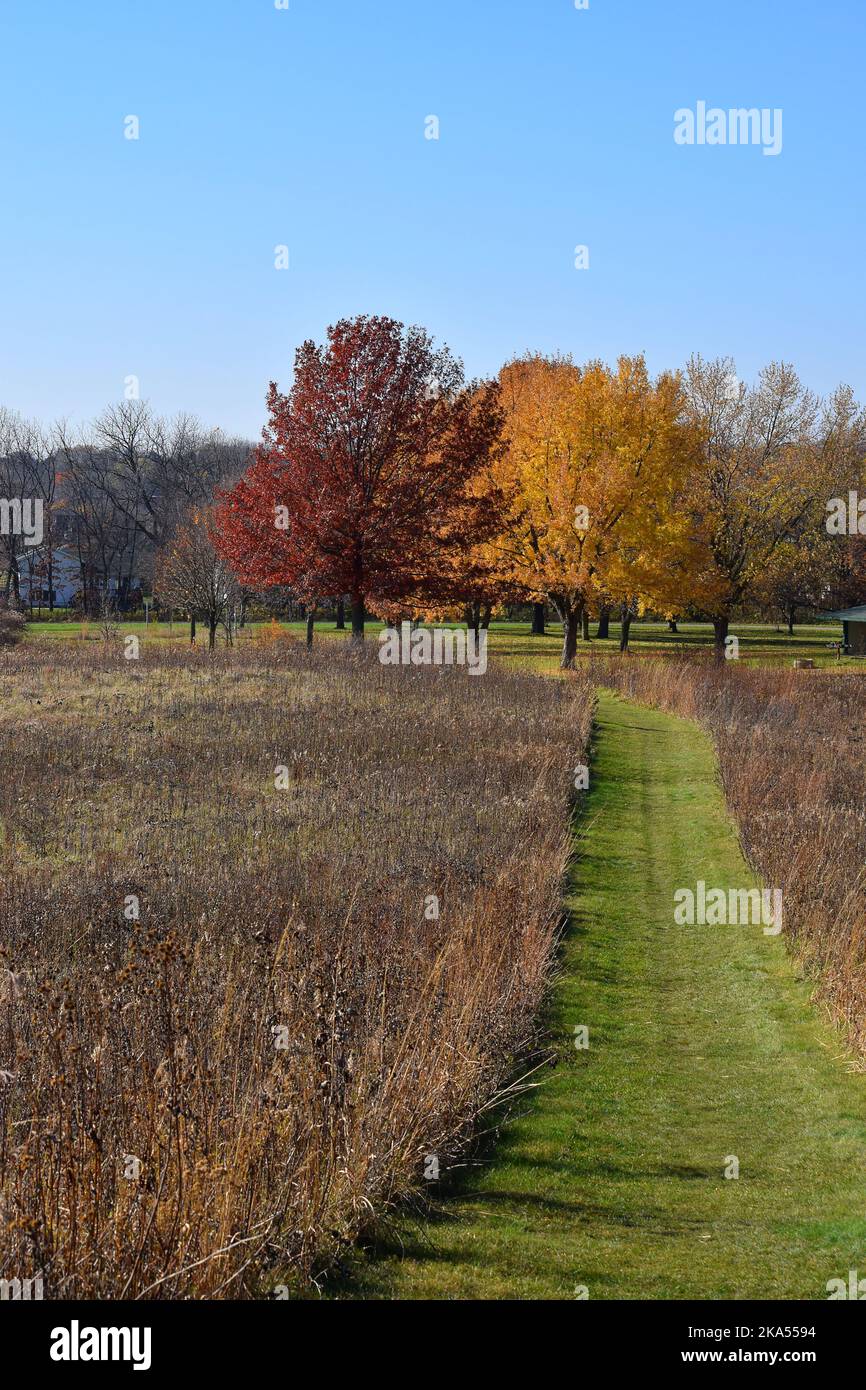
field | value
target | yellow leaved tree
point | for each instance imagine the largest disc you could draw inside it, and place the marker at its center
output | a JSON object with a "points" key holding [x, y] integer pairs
{"points": [[598, 458]]}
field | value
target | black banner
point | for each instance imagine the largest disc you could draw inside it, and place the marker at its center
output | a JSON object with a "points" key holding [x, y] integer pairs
{"points": [[236, 1339]]}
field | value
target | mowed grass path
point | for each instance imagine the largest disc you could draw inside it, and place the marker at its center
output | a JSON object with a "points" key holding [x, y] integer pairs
{"points": [[703, 1044]]}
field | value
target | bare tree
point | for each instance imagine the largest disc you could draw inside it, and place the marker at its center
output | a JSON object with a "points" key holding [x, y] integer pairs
{"points": [[27, 476], [191, 575], [97, 528], [756, 482], [156, 470], [132, 479]]}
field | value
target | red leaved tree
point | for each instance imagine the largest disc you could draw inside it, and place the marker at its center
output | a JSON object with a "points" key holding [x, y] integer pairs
{"points": [[366, 483]]}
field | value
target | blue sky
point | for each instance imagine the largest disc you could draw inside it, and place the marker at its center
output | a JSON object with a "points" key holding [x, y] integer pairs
{"points": [[306, 127]]}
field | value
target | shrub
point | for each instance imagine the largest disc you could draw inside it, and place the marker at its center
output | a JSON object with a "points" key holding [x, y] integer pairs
{"points": [[11, 625]]}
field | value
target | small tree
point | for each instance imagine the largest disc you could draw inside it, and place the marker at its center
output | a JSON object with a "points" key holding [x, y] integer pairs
{"points": [[11, 625], [191, 574]]}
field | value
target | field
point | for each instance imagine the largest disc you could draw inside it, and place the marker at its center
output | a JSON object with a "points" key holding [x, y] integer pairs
{"points": [[269, 941], [288, 1011]]}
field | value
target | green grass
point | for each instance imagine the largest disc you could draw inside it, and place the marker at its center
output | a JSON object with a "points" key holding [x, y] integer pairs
{"points": [[762, 644], [703, 1044]]}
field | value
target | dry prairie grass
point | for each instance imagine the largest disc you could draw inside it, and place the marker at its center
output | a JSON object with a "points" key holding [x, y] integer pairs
{"points": [[791, 756], [227, 1086]]}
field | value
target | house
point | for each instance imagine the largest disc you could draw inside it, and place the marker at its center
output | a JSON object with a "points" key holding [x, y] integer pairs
{"points": [[853, 622], [66, 579], [33, 580]]}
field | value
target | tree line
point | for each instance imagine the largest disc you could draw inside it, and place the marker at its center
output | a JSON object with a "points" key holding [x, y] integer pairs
{"points": [[388, 480], [114, 492], [387, 476]]}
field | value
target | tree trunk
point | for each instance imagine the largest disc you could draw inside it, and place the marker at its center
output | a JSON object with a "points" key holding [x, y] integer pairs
{"points": [[584, 625], [625, 627], [357, 619], [311, 618], [485, 617], [341, 614], [720, 633], [211, 633], [603, 622], [192, 629], [792, 613], [538, 620], [672, 625], [570, 624], [474, 619]]}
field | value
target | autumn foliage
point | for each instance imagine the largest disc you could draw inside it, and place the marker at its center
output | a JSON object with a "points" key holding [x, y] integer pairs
{"points": [[385, 476], [367, 482], [599, 458]]}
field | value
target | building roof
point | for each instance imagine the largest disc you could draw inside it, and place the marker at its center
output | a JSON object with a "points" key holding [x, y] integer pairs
{"points": [[850, 615]]}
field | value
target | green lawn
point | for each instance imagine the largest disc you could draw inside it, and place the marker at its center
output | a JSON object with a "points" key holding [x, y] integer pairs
{"points": [[703, 1044], [762, 644]]}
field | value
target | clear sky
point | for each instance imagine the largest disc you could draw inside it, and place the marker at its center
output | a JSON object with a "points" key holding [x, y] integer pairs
{"points": [[305, 127]]}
